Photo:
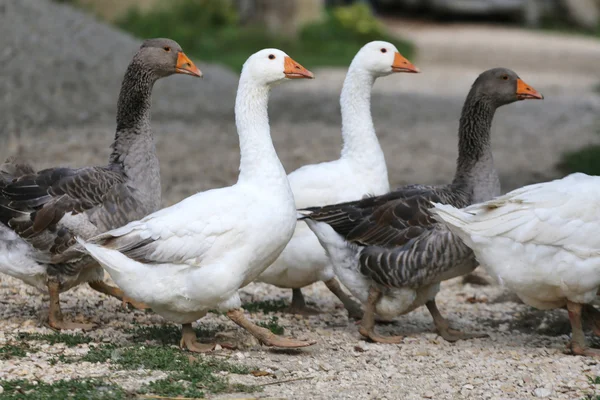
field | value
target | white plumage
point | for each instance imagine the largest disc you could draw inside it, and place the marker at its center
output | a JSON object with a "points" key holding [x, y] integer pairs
{"points": [[360, 171], [541, 241], [194, 256]]}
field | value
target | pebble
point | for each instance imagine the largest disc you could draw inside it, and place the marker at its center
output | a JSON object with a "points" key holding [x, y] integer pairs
{"points": [[542, 392]]}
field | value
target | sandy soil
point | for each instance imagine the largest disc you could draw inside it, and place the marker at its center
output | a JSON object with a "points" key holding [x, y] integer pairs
{"points": [[57, 115]]}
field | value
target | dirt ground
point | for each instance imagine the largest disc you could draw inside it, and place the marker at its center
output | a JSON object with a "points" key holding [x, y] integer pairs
{"points": [[416, 117]]}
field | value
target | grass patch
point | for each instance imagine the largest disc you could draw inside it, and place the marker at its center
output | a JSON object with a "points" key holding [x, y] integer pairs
{"points": [[209, 30], [189, 376], [592, 396], [168, 334], [273, 326], [266, 306], [88, 389], [54, 338], [12, 351], [586, 160]]}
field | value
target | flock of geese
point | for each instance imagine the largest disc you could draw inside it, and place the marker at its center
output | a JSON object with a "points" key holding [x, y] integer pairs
{"points": [[61, 227]]}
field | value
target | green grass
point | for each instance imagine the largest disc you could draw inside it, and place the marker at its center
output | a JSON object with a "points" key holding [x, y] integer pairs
{"points": [[11, 351], [84, 389], [265, 306], [168, 334], [54, 338], [586, 160], [188, 376], [273, 326], [592, 396], [209, 30]]}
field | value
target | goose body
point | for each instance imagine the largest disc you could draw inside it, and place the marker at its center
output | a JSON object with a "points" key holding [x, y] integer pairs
{"points": [[43, 212], [388, 250], [361, 170], [538, 240], [541, 242], [194, 256]]}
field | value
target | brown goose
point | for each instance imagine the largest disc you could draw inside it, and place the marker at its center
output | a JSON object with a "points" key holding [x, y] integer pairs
{"points": [[43, 212], [388, 250]]}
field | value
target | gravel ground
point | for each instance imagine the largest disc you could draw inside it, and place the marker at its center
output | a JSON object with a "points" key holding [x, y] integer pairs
{"points": [[60, 78]]}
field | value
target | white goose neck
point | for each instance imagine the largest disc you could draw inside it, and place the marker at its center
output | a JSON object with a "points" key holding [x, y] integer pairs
{"points": [[358, 133], [259, 161]]}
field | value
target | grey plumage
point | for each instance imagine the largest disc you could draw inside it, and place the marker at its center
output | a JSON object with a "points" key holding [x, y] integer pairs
{"points": [[50, 208], [398, 242]]}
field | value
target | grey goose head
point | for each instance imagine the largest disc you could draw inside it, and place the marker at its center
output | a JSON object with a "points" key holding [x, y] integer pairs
{"points": [[165, 57], [503, 86]]}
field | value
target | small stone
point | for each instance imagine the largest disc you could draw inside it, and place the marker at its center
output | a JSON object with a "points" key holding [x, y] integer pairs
{"points": [[428, 394], [1, 389], [218, 347], [542, 392], [468, 386]]}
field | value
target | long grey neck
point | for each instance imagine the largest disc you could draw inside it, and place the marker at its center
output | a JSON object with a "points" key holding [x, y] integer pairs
{"points": [[358, 132], [475, 172], [134, 151], [259, 161]]}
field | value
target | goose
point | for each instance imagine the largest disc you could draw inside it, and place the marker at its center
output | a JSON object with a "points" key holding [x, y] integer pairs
{"points": [[360, 170], [541, 242], [192, 257], [388, 250], [42, 212]]}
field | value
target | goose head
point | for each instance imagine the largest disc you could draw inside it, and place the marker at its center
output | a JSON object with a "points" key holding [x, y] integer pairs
{"points": [[271, 66], [164, 57], [382, 58], [503, 86]]}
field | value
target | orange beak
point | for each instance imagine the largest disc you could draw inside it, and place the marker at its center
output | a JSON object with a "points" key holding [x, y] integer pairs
{"points": [[186, 66], [293, 70], [526, 92], [401, 64]]}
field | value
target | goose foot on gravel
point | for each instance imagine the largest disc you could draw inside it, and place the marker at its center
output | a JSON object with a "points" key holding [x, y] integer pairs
{"points": [[443, 326], [367, 325], [264, 335], [55, 316], [578, 344], [103, 287], [299, 306]]}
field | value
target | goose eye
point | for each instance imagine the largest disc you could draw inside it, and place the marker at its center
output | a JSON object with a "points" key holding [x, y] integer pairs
{"points": [[505, 77], [384, 50], [271, 56], [167, 49]]}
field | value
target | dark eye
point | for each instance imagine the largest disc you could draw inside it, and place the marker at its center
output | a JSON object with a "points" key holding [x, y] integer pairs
{"points": [[271, 56], [384, 50], [505, 77], [167, 49]]}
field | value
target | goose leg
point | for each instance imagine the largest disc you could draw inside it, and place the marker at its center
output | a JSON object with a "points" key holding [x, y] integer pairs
{"points": [[264, 335], [299, 306], [367, 325], [190, 342], [578, 343], [443, 326], [353, 308], [590, 312], [55, 316], [103, 287]]}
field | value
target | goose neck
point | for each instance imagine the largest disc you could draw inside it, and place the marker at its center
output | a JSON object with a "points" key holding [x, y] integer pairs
{"points": [[475, 165], [358, 133], [133, 110], [258, 159]]}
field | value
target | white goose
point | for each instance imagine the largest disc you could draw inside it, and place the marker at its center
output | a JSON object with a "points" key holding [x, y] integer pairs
{"points": [[194, 256], [542, 242], [360, 170]]}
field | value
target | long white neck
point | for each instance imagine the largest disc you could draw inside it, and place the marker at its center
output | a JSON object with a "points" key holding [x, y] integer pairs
{"points": [[361, 145], [259, 161]]}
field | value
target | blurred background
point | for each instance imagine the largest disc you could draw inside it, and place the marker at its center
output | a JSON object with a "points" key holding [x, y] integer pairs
{"points": [[62, 63]]}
